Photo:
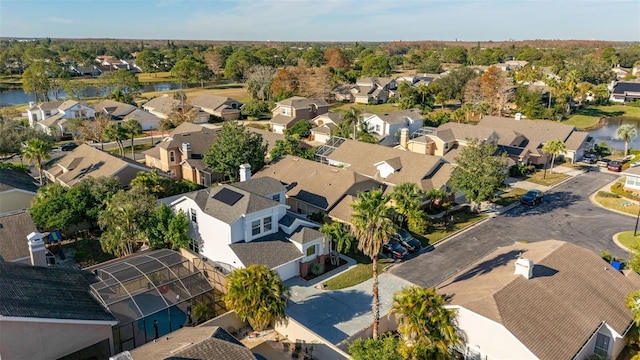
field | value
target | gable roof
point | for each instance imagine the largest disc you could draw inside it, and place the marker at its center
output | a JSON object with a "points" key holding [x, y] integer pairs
{"points": [[50, 105], [467, 131], [400, 116], [230, 211], [269, 138], [263, 186], [554, 313], [332, 116], [282, 119], [213, 102], [314, 183], [49, 293], [200, 139], [536, 131], [140, 116], [576, 139], [16, 179], [303, 235], [299, 102], [14, 228], [271, 250], [622, 87], [162, 104], [87, 161], [114, 108]]}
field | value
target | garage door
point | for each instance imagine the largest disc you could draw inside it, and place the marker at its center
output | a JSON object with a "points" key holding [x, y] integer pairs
{"points": [[287, 271]]}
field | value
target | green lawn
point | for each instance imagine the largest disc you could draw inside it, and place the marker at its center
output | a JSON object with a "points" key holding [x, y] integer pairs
{"points": [[620, 204], [510, 197], [376, 109], [590, 116], [361, 272], [628, 240], [548, 180], [441, 228]]}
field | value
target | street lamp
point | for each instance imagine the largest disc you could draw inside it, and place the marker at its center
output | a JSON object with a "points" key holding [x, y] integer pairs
{"points": [[635, 230]]}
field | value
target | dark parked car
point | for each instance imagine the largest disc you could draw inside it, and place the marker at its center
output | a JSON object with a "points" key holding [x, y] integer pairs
{"points": [[394, 249], [68, 146], [615, 166], [408, 241], [532, 197]]}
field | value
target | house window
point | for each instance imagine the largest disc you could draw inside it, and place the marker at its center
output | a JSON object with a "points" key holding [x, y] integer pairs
{"points": [[301, 208], [193, 245], [194, 215], [266, 224], [172, 156], [602, 345], [446, 146], [286, 111], [275, 197], [255, 227], [311, 250]]}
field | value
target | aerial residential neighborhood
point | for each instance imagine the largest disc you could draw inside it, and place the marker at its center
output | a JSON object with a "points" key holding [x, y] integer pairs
{"points": [[340, 183]]}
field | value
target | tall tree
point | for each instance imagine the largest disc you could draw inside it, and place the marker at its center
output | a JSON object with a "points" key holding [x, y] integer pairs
{"points": [[235, 145], [336, 59], [259, 81], [95, 129], [497, 89], [149, 61], [168, 230], [340, 234], [372, 225], [124, 221], [37, 79], [121, 81], [407, 197], [284, 84], [352, 118], [133, 128], [36, 150], [626, 133], [479, 172], [553, 147], [428, 328], [115, 132], [376, 65], [257, 295]]}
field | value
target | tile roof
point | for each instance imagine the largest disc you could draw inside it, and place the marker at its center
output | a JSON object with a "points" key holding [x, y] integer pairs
{"points": [[247, 204], [263, 186], [87, 161], [400, 116], [162, 104], [49, 293], [14, 228], [554, 313], [315, 183], [15, 179], [114, 108], [271, 250]]}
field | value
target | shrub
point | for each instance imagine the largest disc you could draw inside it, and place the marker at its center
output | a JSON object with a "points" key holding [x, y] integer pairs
{"points": [[519, 170], [618, 189], [634, 103], [606, 256], [317, 269], [606, 194]]}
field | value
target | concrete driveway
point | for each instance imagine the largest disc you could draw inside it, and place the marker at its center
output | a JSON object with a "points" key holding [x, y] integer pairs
{"points": [[338, 314], [566, 214]]}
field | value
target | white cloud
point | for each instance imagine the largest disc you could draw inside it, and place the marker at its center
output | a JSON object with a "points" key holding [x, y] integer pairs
{"points": [[59, 20]]}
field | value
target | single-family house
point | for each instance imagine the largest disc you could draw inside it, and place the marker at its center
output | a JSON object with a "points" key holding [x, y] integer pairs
{"points": [[115, 110], [446, 139], [343, 93], [17, 190], [387, 165], [15, 227], [543, 300], [388, 125], [220, 106], [625, 91], [79, 70], [163, 106], [516, 64], [418, 79], [632, 179], [54, 115], [87, 161], [312, 187], [523, 139], [289, 111], [248, 223], [147, 120], [621, 73], [374, 90], [180, 154], [324, 126], [50, 313]]}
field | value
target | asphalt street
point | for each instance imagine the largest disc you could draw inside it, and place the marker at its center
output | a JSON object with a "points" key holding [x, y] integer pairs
{"points": [[566, 214]]}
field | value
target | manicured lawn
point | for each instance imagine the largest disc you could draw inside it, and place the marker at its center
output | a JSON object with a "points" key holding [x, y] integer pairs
{"points": [[376, 109], [548, 180], [620, 204], [628, 240], [127, 149], [156, 77], [361, 272], [440, 229], [235, 91], [510, 197], [589, 117]]}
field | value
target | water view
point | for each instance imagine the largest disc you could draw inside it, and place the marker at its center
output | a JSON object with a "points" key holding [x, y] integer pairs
{"points": [[607, 133]]}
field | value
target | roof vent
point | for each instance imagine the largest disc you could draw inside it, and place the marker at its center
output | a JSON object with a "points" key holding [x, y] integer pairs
{"points": [[524, 267]]}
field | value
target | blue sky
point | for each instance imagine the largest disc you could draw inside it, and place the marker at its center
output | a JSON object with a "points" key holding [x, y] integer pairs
{"points": [[323, 20]]}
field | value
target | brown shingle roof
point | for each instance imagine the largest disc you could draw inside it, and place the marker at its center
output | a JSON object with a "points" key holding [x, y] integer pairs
{"points": [[466, 131], [576, 139], [554, 313], [162, 104], [399, 117], [537, 131], [282, 119], [114, 108], [213, 102], [14, 228], [299, 102]]}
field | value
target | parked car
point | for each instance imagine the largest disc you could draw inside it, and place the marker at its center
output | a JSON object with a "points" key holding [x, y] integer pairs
{"points": [[408, 241], [68, 146], [615, 166], [532, 197], [589, 159], [603, 162], [394, 249]]}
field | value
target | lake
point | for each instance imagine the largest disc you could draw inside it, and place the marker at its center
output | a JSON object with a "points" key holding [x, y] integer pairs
{"points": [[17, 97], [607, 133]]}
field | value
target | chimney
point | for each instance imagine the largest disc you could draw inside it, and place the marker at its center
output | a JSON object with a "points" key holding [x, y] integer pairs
{"points": [[186, 150], [524, 267], [37, 250], [404, 137], [245, 172]]}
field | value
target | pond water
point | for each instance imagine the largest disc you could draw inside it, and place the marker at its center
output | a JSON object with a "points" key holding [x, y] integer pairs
{"points": [[16, 97], [607, 133]]}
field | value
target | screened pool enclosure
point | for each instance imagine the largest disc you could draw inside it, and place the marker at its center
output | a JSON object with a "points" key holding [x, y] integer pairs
{"points": [[150, 294]]}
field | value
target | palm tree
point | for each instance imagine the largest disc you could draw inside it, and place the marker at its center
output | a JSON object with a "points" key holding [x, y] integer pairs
{"points": [[340, 234], [553, 147], [37, 150], [626, 133], [406, 196], [372, 225], [115, 132], [133, 128], [257, 295], [428, 328], [351, 117]]}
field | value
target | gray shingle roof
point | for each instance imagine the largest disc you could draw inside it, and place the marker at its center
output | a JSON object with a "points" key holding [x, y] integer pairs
{"points": [[213, 348], [271, 250], [303, 235], [263, 186], [114, 108], [14, 228], [247, 204], [299, 102], [400, 116], [16, 179], [49, 293]]}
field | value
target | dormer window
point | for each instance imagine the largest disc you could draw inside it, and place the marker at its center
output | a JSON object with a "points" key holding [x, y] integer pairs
{"points": [[172, 156], [286, 111]]}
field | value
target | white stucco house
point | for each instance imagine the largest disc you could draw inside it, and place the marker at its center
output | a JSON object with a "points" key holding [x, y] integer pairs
{"points": [[632, 180], [543, 300], [248, 222], [389, 124], [54, 114]]}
